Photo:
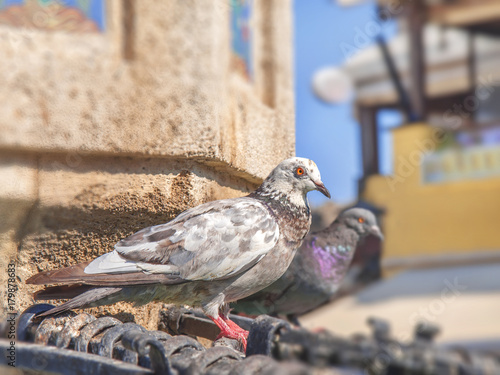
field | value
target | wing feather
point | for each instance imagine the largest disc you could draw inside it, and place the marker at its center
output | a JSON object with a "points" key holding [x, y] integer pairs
{"points": [[210, 242]]}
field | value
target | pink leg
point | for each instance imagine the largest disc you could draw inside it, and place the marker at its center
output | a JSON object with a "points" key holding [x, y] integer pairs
{"points": [[319, 330], [230, 330], [234, 326]]}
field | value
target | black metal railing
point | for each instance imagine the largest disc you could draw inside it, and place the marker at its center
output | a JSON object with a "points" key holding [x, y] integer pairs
{"points": [[81, 343]]}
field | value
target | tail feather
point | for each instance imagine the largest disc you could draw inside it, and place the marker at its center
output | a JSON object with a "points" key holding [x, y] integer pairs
{"points": [[61, 292], [76, 275], [69, 275], [91, 298]]}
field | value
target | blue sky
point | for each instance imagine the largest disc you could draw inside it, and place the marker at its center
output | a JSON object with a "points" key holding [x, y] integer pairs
{"points": [[329, 134]]}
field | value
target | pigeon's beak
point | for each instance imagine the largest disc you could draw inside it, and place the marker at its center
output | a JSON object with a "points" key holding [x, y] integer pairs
{"points": [[321, 187], [375, 230]]}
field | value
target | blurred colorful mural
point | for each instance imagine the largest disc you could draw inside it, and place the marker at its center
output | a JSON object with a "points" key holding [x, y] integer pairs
{"points": [[67, 15]]}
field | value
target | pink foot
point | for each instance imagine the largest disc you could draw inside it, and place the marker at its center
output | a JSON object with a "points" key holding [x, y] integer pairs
{"points": [[235, 327], [231, 330], [319, 330]]}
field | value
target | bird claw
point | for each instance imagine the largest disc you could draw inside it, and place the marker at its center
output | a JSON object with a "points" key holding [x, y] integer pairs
{"points": [[319, 330], [231, 330], [241, 337], [236, 327]]}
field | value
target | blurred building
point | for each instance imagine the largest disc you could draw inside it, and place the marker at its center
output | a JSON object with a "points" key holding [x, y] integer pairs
{"points": [[441, 199], [441, 71], [118, 115]]}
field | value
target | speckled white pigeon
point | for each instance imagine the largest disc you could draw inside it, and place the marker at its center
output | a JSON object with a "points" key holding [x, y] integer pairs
{"points": [[207, 256]]}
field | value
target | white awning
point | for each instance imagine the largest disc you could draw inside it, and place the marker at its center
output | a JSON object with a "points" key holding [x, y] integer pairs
{"points": [[447, 51]]}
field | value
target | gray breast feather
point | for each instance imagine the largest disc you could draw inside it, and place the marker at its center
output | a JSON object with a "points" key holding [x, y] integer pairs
{"points": [[213, 241]]}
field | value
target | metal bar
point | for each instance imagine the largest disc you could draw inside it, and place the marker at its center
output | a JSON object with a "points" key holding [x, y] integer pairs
{"points": [[416, 17], [49, 359], [196, 323], [471, 59], [369, 140], [196, 326], [404, 99], [269, 338]]}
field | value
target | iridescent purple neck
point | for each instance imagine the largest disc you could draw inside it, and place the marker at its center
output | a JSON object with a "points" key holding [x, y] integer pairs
{"points": [[330, 265]]}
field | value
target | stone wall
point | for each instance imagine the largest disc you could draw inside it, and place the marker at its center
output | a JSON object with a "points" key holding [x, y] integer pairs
{"points": [[104, 133]]}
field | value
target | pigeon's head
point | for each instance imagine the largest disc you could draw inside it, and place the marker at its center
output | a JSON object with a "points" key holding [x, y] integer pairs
{"points": [[296, 175], [362, 221]]}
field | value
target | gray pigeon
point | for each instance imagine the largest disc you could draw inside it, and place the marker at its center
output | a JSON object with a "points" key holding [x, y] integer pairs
{"points": [[317, 269], [207, 256]]}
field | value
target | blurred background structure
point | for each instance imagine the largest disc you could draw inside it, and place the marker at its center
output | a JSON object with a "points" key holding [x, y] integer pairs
{"points": [[117, 115], [446, 153], [437, 73]]}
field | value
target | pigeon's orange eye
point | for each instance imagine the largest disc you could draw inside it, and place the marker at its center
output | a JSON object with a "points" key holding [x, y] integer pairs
{"points": [[300, 171], [361, 220]]}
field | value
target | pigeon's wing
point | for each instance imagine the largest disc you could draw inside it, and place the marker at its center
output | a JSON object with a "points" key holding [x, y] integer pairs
{"points": [[213, 241]]}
